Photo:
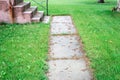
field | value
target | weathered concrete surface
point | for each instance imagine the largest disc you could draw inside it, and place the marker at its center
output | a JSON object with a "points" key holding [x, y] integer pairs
{"points": [[62, 19], [68, 70], [63, 28], [66, 60], [65, 47], [46, 19]]}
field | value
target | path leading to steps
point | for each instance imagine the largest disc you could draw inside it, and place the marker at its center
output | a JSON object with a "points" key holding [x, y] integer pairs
{"points": [[66, 59]]}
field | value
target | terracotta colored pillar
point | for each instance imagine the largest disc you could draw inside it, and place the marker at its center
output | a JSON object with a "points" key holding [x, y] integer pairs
{"points": [[6, 11]]}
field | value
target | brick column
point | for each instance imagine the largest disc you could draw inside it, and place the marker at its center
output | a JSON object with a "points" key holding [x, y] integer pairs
{"points": [[6, 11]]}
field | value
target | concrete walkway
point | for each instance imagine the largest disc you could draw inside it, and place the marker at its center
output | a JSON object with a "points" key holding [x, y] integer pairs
{"points": [[66, 59]]}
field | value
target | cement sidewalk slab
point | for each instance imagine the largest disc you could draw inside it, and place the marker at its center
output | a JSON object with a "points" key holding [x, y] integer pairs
{"points": [[68, 70], [62, 28], [65, 47], [63, 19]]}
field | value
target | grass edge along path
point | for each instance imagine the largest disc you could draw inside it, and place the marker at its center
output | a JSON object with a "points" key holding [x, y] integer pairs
{"points": [[23, 51]]}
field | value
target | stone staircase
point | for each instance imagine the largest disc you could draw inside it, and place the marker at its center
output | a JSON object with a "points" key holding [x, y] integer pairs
{"points": [[23, 12]]}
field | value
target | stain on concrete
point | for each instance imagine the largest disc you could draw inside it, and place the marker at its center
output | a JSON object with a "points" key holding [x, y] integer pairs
{"points": [[68, 70], [65, 47], [62, 28]]}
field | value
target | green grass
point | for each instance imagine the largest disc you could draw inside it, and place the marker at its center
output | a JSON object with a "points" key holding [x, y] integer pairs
{"points": [[23, 48], [23, 51], [99, 29]]}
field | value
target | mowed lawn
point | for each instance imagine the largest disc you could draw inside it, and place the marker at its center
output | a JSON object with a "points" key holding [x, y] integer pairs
{"points": [[23, 51], [99, 29], [23, 48]]}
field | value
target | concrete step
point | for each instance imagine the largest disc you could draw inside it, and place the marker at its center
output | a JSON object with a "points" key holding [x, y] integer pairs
{"points": [[38, 16], [29, 13], [15, 2], [18, 9]]}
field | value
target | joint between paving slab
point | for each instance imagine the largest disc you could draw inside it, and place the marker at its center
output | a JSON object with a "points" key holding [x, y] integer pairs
{"points": [[72, 58], [63, 22], [63, 34]]}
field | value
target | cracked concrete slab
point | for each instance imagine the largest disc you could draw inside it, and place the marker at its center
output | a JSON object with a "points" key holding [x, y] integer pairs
{"points": [[68, 70], [62, 28], [63, 19], [65, 47]]}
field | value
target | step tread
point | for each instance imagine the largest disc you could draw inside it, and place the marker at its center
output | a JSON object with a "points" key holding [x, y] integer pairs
{"points": [[17, 2], [22, 4], [31, 9], [38, 15]]}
